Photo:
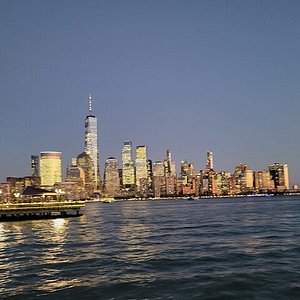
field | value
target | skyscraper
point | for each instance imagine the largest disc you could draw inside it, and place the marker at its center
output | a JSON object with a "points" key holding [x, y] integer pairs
{"points": [[35, 165], [50, 168], [141, 163], [209, 160], [111, 177], [91, 144], [85, 163], [280, 176], [127, 165]]}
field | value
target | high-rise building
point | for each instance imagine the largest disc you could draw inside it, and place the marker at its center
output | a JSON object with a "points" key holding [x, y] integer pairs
{"points": [[127, 166], [209, 161], [280, 176], [187, 171], [35, 165], [170, 166], [91, 144], [244, 179], [111, 178], [263, 181], [50, 168], [158, 169], [141, 163], [85, 163], [75, 173]]}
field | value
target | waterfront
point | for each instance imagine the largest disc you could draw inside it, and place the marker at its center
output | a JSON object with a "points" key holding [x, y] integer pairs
{"points": [[177, 249]]}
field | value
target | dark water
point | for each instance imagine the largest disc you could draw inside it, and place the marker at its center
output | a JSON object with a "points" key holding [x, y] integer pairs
{"points": [[179, 249]]}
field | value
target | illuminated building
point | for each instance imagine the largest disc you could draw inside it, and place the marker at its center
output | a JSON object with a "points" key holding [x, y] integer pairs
{"points": [[158, 179], [263, 182], [50, 168], [35, 165], [149, 175], [91, 144], [170, 185], [158, 169], [280, 176], [244, 179], [209, 161], [85, 163], [187, 171], [141, 164], [127, 166], [75, 173], [170, 174], [111, 178], [18, 184], [223, 181]]}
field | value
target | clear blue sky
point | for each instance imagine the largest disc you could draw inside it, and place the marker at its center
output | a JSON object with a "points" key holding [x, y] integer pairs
{"points": [[191, 76]]}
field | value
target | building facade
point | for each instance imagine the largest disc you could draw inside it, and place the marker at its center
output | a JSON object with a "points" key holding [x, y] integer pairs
{"points": [[35, 166], [111, 178], [141, 163], [91, 144], [280, 176], [128, 178], [50, 168]]}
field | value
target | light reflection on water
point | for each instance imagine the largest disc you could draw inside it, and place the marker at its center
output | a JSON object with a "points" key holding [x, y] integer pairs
{"points": [[156, 250]]}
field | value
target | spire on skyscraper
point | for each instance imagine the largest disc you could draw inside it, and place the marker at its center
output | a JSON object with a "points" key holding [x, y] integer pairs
{"points": [[90, 104]]}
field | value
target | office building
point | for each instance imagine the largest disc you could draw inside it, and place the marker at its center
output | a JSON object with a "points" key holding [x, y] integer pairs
{"points": [[85, 163], [91, 144], [35, 167], [209, 161], [280, 176], [50, 168], [111, 178], [141, 163], [128, 179]]}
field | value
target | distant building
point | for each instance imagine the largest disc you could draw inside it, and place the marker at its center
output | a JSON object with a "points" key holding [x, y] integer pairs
{"points": [[158, 179], [18, 184], [263, 182], [209, 161], [280, 176], [141, 163], [91, 144], [187, 171], [50, 168], [35, 167], [85, 163], [244, 179], [111, 178], [223, 181], [75, 173], [128, 178]]}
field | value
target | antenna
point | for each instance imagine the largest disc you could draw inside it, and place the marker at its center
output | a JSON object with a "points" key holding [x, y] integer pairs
{"points": [[90, 104]]}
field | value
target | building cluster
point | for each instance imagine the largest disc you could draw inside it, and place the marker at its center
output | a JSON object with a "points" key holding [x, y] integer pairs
{"points": [[138, 176]]}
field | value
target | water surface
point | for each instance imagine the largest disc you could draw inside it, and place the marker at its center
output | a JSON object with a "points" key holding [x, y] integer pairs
{"points": [[245, 248]]}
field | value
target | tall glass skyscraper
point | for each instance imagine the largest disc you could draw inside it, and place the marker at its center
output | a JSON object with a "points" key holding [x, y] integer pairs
{"points": [[209, 160], [127, 165], [141, 164], [35, 165], [91, 144]]}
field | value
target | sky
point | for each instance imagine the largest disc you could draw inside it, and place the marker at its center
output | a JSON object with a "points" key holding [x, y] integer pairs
{"points": [[190, 76]]}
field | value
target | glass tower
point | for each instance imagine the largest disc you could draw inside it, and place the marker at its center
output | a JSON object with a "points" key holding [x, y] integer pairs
{"points": [[127, 165], [91, 144]]}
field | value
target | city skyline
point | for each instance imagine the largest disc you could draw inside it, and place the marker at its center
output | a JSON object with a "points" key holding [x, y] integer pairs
{"points": [[191, 77]]}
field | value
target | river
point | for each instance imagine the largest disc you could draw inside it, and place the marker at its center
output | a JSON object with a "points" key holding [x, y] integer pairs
{"points": [[243, 248]]}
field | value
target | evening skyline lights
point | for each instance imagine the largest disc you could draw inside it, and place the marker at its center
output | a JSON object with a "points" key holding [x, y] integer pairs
{"points": [[190, 76]]}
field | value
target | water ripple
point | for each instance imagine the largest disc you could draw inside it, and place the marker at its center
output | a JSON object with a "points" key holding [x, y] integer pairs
{"points": [[206, 249]]}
